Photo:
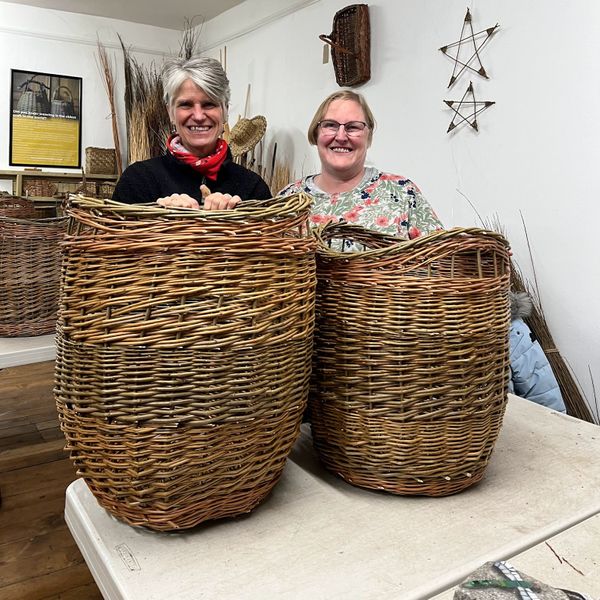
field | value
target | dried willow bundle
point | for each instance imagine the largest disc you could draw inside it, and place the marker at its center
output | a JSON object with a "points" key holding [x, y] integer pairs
{"points": [[139, 148], [147, 120], [570, 390], [146, 114], [278, 175], [109, 85], [189, 40]]}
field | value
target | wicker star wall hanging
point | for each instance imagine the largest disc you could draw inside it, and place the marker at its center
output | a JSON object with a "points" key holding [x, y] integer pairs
{"points": [[470, 108], [472, 43]]}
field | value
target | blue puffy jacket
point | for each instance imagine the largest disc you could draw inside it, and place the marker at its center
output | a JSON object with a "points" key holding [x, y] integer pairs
{"points": [[531, 373]]}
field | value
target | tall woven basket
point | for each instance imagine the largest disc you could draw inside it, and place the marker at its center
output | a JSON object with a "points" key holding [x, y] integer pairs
{"points": [[411, 358], [184, 348], [29, 267]]}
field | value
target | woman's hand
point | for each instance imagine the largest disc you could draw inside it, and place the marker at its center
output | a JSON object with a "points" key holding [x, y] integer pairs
{"points": [[218, 201], [178, 201]]}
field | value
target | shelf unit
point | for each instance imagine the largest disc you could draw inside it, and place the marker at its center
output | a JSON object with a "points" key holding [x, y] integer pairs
{"points": [[66, 181]]}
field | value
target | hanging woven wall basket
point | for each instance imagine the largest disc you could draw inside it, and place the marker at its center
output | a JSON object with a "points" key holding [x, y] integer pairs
{"points": [[350, 41], [411, 358], [30, 262], [184, 348]]}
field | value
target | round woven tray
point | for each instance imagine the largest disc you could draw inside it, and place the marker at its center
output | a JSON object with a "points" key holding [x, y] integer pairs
{"points": [[29, 268], [183, 354], [411, 358]]}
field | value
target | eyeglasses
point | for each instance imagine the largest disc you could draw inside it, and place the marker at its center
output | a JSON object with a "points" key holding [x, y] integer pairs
{"points": [[352, 128]]}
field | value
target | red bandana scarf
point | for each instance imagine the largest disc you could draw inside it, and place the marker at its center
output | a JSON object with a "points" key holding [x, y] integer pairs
{"points": [[209, 165]]}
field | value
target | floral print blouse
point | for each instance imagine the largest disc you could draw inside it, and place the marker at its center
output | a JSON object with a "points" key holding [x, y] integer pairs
{"points": [[383, 202]]}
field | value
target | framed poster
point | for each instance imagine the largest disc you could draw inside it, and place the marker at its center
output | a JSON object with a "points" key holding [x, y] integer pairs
{"points": [[45, 120]]}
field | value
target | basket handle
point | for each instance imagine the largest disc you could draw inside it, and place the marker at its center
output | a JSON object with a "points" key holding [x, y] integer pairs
{"points": [[327, 39], [63, 87], [40, 89]]}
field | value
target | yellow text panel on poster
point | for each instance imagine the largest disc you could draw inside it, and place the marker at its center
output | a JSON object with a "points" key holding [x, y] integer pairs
{"points": [[45, 141]]}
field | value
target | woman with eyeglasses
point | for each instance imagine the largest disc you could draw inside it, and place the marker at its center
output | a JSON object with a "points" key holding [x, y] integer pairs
{"points": [[345, 189]]}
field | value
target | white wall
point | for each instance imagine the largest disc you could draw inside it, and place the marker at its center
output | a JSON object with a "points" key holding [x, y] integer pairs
{"points": [[535, 153], [50, 41]]}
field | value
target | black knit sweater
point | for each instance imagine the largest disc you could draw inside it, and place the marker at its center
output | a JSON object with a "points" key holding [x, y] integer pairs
{"points": [[148, 180]]}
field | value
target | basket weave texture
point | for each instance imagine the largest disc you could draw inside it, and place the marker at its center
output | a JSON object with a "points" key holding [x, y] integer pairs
{"points": [[411, 358], [100, 161], [29, 268], [184, 354], [40, 188], [350, 43]]}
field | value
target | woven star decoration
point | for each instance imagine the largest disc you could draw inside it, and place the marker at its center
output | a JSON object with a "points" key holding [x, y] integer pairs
{"points": [[471, 109], [472, 43]]}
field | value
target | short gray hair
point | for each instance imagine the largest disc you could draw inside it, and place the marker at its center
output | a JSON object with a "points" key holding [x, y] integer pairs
{"points": [[206, 73]]}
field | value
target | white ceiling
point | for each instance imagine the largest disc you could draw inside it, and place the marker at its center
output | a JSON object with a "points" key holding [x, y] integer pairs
{"points": [[161, 13]]}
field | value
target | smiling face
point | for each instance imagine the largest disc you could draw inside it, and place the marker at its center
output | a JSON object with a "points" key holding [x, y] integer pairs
{"points": [[341, 155], [198, 119]]}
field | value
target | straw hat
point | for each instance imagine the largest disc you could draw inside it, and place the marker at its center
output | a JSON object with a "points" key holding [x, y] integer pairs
{"points": [[245, 134]]}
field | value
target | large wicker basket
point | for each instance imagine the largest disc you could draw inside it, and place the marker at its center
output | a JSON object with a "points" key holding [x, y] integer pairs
{"points": [[411, 358], [29, 268], [183, 354]]}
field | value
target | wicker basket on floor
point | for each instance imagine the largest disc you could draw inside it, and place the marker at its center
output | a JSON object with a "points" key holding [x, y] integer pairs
{"points": [[184, 349], [29, 268], [411, 358]]}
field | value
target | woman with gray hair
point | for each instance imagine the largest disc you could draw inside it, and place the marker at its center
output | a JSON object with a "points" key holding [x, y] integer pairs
{"points": [[197, 170]]}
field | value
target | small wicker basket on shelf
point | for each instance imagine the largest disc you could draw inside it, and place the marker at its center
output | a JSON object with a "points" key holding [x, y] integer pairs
{"points": [[29, 268], [411, 358], [183, 354], [39, 188], [105, 189], [100, 161]]}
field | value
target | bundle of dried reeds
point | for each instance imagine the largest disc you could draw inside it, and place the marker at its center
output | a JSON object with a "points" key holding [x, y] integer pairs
{"points": [[146, 116], [280, 177], [109, 85], [570, 390], [277, 174], [148, 122], [139, 144]]}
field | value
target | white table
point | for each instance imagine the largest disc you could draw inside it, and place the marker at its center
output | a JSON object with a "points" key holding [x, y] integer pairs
{"points": [[318, 537], [26, 350], [568, 560]]}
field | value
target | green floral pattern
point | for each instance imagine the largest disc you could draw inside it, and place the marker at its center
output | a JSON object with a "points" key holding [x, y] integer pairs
{"points": [[383, 202]]}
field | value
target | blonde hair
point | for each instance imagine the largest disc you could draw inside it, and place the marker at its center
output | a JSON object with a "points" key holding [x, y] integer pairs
{"points": [[340, 95]]}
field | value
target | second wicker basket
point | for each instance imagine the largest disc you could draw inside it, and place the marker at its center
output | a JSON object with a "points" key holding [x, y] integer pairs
{"points": [[411, 358]]}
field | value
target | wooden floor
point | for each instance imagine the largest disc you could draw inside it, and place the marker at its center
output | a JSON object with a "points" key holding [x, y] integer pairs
{"points": [[38, 557]]}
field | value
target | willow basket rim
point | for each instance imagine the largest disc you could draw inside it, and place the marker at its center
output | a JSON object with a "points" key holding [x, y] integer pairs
{"points": [[34, 220], [386, 245], [273, 208]]}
